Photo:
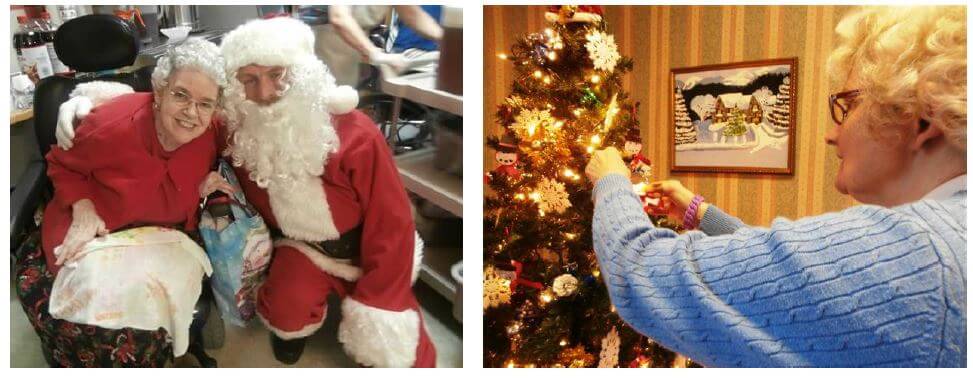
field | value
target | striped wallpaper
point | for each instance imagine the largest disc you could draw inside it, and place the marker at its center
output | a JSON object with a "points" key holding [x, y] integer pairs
{"points": [[659, 38]]}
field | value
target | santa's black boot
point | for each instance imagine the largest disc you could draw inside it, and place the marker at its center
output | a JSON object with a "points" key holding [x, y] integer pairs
{"points": [[287, 351]]}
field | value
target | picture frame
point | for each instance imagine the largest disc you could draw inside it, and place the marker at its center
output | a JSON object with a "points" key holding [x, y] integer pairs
{"points": [[734, 118]]}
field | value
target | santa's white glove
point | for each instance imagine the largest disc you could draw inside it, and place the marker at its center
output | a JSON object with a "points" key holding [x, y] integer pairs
{"points": [[85, 226], [76, 108], [83, 98]]}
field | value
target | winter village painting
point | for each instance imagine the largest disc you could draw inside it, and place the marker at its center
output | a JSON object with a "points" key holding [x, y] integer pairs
{"points": [[735, 117]]}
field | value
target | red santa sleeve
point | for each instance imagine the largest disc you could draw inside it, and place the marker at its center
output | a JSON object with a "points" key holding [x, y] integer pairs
{"points": [[380, 324]]}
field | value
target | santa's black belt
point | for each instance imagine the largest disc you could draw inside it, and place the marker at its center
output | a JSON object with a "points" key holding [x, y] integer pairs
{"points": [[347, 246]]}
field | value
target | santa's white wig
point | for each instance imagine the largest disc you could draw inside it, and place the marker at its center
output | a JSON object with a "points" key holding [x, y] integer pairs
{"points": [[291, 138]]}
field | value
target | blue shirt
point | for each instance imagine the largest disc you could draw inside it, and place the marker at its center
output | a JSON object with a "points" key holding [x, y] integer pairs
{"points": [[409, 38], [865, 287]]}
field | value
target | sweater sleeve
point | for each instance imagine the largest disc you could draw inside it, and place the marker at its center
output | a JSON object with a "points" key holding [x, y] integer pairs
{"points": [[716, 222], [861, 287]]}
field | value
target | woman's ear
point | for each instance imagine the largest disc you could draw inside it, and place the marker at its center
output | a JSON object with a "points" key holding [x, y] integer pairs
{"points": [[157, 93], [926, 133]]}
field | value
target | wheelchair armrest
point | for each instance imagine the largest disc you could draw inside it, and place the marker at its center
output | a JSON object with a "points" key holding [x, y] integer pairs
{"points": [[25, 198]]}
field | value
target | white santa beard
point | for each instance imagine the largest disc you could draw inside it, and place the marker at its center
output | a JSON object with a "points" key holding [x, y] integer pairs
{"points": [[285, 147]]}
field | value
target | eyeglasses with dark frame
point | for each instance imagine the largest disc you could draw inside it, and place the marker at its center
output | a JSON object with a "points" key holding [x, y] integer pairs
{"points": [[842, 103], [183, 100]]}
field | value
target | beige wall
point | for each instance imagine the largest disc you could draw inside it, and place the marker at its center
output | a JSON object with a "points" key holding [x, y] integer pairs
{"points": [[659, 38]]}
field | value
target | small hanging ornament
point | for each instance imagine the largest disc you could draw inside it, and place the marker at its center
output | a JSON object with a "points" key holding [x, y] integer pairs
{"points": [[566, 14], [641, 166], [609, 350], [565, 285], [539, 50], [535, 124], [496, 289], [602, 51], [551, 196], [506, 157], [589, 98]]}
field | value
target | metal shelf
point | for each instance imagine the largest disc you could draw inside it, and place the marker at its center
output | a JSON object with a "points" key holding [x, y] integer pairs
{"points": [[421, 88], [420, 175], [437, 264]]}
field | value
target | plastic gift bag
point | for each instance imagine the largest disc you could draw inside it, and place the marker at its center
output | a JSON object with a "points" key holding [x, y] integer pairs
{"points": [[143, 278], [239, 247]]}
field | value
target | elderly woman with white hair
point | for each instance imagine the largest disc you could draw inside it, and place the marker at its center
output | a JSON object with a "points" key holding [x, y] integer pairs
{"points": [[138, 160], [879, 284]]}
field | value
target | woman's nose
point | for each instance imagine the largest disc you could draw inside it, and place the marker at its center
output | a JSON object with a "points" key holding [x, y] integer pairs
{"points": [[831, 136]]}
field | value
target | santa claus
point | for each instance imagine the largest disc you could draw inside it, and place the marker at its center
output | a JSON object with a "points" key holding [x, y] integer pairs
{"points": [[323, 178]]}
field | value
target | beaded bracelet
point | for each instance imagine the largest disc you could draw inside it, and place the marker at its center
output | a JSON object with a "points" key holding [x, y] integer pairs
{"points": [[689, 220]]}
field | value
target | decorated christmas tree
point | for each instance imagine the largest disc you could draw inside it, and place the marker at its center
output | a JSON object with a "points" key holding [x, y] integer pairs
{"points": [[545, 303], [685, 131], [780, 115]]}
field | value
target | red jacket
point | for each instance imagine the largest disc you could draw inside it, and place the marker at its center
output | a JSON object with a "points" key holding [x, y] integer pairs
{"points": [[118, 163]]}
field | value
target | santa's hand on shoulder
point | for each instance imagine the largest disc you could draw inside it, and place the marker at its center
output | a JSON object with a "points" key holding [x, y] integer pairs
{"points": [[83, 98]]}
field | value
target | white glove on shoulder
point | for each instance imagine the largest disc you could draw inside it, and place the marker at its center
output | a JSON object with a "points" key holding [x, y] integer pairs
{"points": [[83, 98]]}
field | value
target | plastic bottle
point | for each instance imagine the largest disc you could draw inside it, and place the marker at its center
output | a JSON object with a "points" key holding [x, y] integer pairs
{"points": [[48, 30], [32, 53]]}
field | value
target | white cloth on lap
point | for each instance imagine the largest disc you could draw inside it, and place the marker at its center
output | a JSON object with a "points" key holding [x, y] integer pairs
{"points": [[142, 278]]}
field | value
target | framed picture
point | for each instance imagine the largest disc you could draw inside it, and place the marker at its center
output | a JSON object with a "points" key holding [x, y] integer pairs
{"points": [[737, 117]]}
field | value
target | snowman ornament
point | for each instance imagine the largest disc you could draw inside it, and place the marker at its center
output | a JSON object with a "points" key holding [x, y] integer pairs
{"points": [[507, 158]]}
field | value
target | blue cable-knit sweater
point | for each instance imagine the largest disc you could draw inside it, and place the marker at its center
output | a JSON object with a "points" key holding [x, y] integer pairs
{"points": [[868, 286]]}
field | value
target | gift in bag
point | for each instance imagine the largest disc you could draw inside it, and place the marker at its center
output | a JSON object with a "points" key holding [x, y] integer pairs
{"points": [[238, 244]]}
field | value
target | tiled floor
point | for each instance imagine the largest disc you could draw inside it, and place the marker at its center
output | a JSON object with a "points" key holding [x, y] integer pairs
{"points": [[250, 347]]}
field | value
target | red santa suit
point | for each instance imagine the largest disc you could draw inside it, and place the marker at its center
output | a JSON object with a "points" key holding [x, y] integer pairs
{"points": [[118, 163], [359, 190]]}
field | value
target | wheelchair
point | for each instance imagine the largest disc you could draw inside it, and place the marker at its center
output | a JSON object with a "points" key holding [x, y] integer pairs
{"points": [[117, 44]]}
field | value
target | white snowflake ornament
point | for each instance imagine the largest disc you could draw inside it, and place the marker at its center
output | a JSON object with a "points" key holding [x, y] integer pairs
{"points": [[551, 196], [609, 350], [534, 124], [602, 50], [565, 285], [496, 288]]}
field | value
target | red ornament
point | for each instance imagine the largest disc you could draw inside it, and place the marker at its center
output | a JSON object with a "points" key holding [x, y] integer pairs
{"points": [[655, 204], [507, 157], [518, 268]]}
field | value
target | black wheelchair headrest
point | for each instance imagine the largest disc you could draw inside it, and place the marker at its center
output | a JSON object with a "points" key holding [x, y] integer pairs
{"points": [[93, 43]]}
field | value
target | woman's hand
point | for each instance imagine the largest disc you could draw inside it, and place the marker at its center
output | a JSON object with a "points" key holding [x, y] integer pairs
{"points": [[85, 225], [215, 182], [679, 198], [604, 162]]}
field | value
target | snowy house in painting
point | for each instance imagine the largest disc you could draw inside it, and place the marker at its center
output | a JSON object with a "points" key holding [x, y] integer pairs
{"points": [[725, 104]]}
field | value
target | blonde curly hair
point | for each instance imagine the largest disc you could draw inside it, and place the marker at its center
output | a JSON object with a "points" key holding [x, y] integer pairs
{"points": [[911, 64]]}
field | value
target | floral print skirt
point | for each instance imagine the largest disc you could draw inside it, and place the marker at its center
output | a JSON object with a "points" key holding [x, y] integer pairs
{"points": [[68, 344]]}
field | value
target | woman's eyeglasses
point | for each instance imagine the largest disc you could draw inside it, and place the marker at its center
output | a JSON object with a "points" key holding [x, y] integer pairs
{"points": [[183, 100], [842, 103]]}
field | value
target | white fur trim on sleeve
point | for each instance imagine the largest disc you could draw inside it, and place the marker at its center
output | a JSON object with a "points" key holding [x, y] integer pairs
{"points": [[101, 91], [336, 267], [375, 337]]}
